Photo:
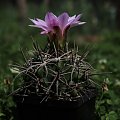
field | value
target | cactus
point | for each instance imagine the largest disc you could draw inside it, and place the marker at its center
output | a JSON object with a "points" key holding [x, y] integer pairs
{"points": [[57, 72], [60, 75]]}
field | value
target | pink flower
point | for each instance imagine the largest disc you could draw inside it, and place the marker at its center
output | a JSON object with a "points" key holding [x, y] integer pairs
{"points": [[63, 21], [57, 27]]}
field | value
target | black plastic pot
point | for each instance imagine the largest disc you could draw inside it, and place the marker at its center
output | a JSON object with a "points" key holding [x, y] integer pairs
{"points": [[32, 109]]}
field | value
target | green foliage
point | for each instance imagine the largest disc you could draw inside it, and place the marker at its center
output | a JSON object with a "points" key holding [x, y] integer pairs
{"points": [[6, 103], [107, 58]]}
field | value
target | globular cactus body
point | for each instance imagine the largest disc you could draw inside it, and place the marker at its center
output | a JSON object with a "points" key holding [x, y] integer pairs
{"points": [[60, 75]]}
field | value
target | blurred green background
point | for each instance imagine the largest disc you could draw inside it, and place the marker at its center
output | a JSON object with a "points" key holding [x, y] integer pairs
{"points": [[101, 33]]}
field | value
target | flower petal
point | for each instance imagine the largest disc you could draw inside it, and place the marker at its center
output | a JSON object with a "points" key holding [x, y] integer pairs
{"points": [[78, 17], [34, 21], [77, 23], [81, 23], [39, 24], [43, 23], [63, 20], [74, 19], [71, 18], [44, 32], [51, 20]]}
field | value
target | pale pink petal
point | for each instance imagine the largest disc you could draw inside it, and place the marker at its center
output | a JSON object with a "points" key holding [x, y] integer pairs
{"points": [[41, 22], [81, 23], [63, 20], [51, 20], [44, 32], [71, 18], [74, 20], [77, 23], [38, 26], [34, 21], [78, 17]]}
